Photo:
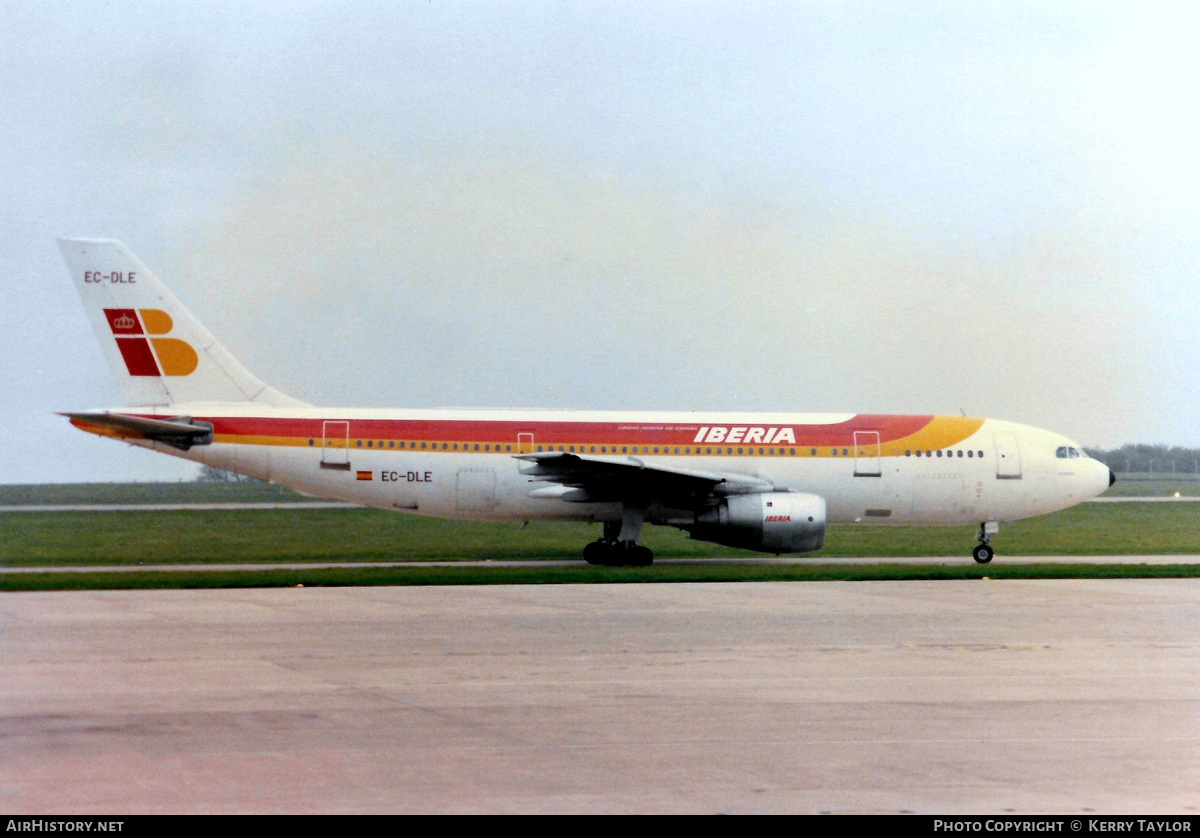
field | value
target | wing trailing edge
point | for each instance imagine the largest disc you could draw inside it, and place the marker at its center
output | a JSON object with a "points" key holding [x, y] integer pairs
{"points": [[592, 479]]}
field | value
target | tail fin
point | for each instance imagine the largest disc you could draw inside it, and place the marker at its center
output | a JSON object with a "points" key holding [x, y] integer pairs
{"points": [[159, 353]]}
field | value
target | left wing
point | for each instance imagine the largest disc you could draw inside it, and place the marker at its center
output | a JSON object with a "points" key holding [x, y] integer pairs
{"points": [[585, 479]]}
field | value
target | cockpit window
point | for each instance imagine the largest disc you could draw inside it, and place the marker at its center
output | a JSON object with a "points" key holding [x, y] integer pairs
{"points": [[1066, 452]]}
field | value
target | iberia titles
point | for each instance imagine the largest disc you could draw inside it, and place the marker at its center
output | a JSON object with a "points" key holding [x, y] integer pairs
{"points": [[746, 435]]}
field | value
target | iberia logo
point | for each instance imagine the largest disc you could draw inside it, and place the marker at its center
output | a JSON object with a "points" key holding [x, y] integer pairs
{"points": [[137, 331]]}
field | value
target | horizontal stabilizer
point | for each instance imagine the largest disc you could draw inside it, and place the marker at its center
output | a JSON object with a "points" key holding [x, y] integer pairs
{"points": [[180, 432]]}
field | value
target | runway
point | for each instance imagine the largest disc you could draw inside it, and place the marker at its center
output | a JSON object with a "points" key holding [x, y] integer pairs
{"points": [[934, 697]]}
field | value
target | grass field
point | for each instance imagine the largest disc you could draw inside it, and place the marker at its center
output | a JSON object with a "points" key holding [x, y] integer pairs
{"points": [[48, 494], [1128, 486], [52, 494], [30, 539], [354, 534], [418, 574]]}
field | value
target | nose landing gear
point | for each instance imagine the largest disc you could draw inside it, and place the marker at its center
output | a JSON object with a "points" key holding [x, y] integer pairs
{"points": [[983, 551]]}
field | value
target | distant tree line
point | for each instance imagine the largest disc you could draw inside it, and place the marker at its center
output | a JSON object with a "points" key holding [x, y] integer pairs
{"points": [[210, 474], [1150, 459]]}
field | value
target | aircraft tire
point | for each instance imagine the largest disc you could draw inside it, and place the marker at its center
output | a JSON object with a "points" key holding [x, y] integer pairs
{"points": [[598, 552], [630, 554], [983, 553]]}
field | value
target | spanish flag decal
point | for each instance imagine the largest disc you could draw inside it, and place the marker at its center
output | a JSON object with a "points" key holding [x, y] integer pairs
{"points": [[365, 475]]}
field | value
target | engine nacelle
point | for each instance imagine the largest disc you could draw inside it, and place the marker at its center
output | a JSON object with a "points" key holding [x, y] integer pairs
{"points": [[773, 522]]}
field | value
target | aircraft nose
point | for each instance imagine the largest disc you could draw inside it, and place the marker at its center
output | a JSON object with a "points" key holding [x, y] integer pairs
{"points": [[1112, 478]]}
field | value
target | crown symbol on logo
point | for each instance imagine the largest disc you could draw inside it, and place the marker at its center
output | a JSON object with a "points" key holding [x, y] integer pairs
{"points": [[124, 322]]}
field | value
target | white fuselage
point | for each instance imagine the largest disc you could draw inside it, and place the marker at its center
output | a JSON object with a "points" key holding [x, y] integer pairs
{"points": [[871, 469]]}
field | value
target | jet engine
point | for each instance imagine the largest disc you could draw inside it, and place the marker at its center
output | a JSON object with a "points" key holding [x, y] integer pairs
{"points": [[772, 522]]}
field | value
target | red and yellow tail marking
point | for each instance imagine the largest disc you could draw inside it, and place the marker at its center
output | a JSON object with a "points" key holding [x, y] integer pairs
{"points": [[143, 353]]}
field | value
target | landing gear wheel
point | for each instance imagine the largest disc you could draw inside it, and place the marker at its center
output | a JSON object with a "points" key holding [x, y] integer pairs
{"points": [[641, 556], [983, 553], [604, 551], [626, 553], [598, 552]]}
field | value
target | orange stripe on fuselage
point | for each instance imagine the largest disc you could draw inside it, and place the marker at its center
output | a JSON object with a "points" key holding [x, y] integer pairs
{"points": [[941, 432]]}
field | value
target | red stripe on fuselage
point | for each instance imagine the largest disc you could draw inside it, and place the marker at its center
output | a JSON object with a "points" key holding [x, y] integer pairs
{"points": [[890, 427]]}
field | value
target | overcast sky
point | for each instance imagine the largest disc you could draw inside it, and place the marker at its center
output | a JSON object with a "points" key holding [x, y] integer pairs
{"points": [[828, 206]]}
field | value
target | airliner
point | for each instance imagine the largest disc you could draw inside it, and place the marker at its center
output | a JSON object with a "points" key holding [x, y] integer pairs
{"points": [[768, 482]]}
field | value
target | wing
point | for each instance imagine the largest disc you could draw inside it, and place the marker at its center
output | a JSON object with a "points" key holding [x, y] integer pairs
{"points": [[585, 479], [180, 432]]}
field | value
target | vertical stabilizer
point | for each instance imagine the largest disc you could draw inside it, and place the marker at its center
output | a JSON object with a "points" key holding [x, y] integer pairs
{"points": [[159, 353]]}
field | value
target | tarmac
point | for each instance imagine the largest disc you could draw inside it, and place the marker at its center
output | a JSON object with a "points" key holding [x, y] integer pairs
{"points": [[1005, 697]]}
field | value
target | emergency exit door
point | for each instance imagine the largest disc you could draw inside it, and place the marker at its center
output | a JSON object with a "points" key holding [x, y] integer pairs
{"points": [[866, 454], [335, 445]]}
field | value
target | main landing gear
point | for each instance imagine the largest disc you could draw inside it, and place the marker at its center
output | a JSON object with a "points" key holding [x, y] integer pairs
{"points": [[617, 553], [983, 551], [619, 545]]}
